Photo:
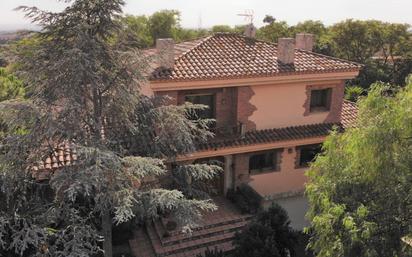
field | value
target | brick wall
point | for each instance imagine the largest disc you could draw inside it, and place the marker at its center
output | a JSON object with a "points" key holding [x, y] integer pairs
{"points": [[225, 100], [244, 108], [241, 169], [232, 104], [336, 101]]}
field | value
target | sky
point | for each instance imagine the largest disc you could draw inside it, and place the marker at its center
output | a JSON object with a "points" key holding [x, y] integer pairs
{"points": [[206, 13]]}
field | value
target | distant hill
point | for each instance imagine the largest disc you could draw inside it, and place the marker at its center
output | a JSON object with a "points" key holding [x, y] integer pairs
{"points": [[12, 36]]}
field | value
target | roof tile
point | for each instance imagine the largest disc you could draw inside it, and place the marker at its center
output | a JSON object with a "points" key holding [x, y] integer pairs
{"points": [[225, 56]]}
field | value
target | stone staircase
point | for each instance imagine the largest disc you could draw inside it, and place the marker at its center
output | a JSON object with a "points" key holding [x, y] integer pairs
{"points": [[216, 231]]}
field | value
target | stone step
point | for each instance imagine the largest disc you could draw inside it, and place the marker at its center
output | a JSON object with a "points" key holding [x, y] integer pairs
{"points": [[225, 247], [192, 245], [140, 245], [205, 232], [160, 225]]}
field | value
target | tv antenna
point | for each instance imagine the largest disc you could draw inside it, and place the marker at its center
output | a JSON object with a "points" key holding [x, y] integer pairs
{"points": [[200, 22], [249, 15]]}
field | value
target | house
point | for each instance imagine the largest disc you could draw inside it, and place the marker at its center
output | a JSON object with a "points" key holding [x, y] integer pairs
{"points": [[274, 104]]}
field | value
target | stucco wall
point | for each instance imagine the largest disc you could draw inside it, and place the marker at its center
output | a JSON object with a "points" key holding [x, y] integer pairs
{"points": [[286, 105], [287, 179], [296, 207]]}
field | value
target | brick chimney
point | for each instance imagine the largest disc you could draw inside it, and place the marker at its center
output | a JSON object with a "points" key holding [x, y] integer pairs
{"points": [[250, 30], [165, 49], [286, 50], [305, 41]]}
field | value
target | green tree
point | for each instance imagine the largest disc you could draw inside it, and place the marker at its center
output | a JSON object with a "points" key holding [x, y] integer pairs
{"points": [[360, 40], [382, 47], [10, 86], [164, 24], [85, 93], [269, 235], [310, 26], [141, 31], [273, 30], [317, 28], [356, 40], [184, 34], [136, 31], [222, 28], [360, 188]]}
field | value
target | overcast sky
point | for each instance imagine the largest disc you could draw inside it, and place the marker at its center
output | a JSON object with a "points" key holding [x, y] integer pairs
{"points": [[206, 13]]}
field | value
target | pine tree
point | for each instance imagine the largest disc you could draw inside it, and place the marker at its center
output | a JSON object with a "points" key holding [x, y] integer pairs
{"points": [[85, 93]]}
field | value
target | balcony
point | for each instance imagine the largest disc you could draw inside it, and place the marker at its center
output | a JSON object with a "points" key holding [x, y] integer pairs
{"points": [[225, 132]]}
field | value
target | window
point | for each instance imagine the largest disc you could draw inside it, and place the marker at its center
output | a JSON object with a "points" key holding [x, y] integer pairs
{"points": [[262, 162], [208, 100], [308, 153], [320, 99]]}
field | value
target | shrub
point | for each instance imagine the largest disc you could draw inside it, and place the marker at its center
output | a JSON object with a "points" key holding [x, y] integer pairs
{"points": [[245, 198], [352, 93], [269, 235]]}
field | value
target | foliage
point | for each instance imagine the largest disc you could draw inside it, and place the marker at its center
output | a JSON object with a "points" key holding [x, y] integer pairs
{"points": [[352, 93], [246, 199], [376, 44], [222, 28], [270, 235], [10, 86], [135, 30], [319, 30], [142, 31], [360, 188], [356, 40], [273, 30], [384, 48], [85, 92], [163, 24], [191, 179], [310, 26]]}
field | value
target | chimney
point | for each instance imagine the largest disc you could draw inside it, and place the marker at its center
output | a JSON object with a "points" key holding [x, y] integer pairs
{"points": [[286, 50], [250, 31], [305, 41], [165, 49]]}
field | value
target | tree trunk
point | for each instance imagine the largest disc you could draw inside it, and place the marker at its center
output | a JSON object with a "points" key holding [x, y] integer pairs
{"points": [[107, 233]]}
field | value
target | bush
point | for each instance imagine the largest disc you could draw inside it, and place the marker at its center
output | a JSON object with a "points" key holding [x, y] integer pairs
{"points": [[352, 93], [269, 235], [245, 198]]}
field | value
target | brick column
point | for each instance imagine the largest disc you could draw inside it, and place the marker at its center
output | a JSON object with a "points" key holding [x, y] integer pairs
{"points": [[244, 108]]}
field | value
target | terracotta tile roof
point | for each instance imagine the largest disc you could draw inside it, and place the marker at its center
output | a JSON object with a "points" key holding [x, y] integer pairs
{"points": [[63, 155], [225, 56], [348, 118], [180, 48], [273, 135], [349, 113]]}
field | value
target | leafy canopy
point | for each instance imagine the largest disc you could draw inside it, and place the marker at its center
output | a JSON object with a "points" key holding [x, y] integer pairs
{"points": [[10, 86], [360, 188]]}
